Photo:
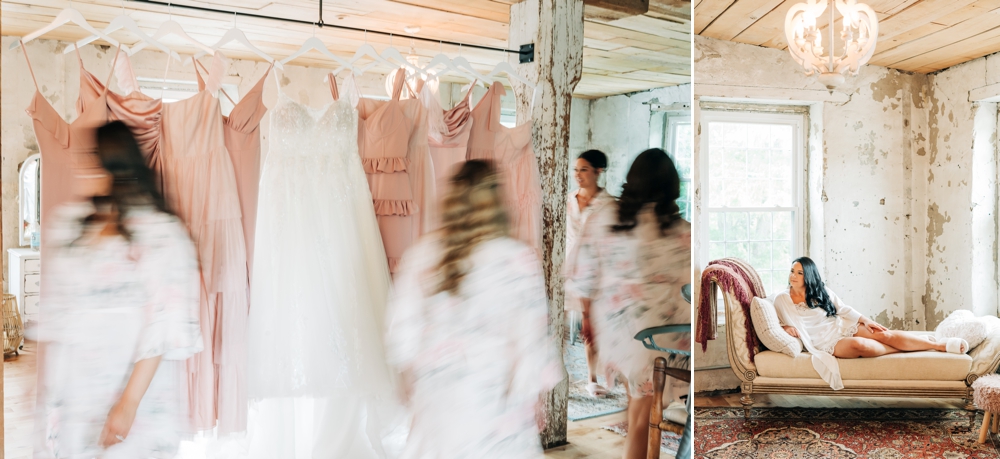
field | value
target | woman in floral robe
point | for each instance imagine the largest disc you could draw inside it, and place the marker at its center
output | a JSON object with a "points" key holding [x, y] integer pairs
{"points": [[468, 332], [122, 318], [633, 260]]}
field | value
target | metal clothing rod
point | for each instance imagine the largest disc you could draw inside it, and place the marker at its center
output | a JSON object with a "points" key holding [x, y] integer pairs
{"points": [[527, 52]]}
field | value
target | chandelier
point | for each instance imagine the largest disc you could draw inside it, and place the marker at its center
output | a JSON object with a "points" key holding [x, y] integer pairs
{"points": [[805, 39]]}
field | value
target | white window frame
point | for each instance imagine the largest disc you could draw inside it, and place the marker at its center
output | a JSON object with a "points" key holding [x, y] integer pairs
{"points": [[669, 137], [797, 121]]}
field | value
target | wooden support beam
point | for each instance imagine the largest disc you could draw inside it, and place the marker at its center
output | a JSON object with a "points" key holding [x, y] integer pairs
{"points": [[614, 9], [556, 29]]}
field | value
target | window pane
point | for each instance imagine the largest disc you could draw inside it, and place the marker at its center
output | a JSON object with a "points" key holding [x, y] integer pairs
{"points": [[716, 250], [757, 163], [749, 165], [760, 256], [682, 150], [765, 280], [736, 226], [716, 230], [781, 192], [779, 282], [781, 254], [760, 226], [715, 135], [736, 135], [782, 225], [738, 249], [781, 136]]}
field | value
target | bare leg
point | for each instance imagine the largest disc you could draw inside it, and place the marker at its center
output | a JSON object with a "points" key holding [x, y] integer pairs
{"points": [[902, 340], [637, 439], [852, 348], [591, 360]]}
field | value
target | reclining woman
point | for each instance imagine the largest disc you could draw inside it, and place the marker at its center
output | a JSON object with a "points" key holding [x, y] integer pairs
{"points": [[829, 328]]}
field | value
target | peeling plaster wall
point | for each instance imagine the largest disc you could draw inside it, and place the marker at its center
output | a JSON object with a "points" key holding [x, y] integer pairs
{"points": [[58, 80], [961, 204], [865, 164]]}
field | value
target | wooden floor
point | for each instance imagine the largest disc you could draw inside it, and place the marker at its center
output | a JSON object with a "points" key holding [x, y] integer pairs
{"points": [[811, 401], [586, 438]]}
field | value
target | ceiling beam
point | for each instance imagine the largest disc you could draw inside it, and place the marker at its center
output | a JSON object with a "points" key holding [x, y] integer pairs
{"points": [[614, 9]]}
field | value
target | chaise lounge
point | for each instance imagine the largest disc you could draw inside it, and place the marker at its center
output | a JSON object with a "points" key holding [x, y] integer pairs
{"points": [[927, 374]]}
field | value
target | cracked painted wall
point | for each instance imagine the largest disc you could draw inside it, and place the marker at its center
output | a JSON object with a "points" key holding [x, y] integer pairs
{"points": [[961, 199]]}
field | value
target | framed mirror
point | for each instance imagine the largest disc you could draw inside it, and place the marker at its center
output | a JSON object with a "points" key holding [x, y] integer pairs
{"points": [[30, 197]]}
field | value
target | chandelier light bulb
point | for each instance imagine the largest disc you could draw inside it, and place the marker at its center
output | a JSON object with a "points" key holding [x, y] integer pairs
{"points": [[806, 40]]}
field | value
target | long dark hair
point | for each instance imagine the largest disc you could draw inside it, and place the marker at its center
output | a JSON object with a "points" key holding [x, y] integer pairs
{"points": [[651, 179], [596, 158], [816, 295], [134, 182]]}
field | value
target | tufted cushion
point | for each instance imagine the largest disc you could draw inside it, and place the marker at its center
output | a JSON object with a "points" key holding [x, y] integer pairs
{"points": [[768, 328]]}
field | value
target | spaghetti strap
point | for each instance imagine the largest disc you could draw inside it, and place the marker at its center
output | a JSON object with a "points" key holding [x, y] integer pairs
{"points": [[201, 82], [107, 82], [468, 94], [398, 80], [28, 61], [333, 87], [79, 58]]}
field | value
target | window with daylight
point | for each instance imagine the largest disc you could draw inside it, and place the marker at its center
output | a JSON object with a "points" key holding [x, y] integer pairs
{"points": [[678, 140], [752, 190]]}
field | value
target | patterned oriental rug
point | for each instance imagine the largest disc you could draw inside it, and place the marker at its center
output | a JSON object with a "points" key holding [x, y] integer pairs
{"points": [[838, 433]]}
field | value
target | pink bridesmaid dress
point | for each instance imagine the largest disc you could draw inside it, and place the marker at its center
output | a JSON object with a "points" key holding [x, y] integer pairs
{"points": [[200, 185], [511, 151], [243, 145], [392, 139], [448, 136], [63, 147]]}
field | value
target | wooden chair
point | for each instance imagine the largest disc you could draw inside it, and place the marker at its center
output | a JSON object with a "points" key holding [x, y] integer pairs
{"points": [[681, 370]]}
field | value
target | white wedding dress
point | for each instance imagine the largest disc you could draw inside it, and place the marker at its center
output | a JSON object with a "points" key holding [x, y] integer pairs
{"points": [[318, 381]]}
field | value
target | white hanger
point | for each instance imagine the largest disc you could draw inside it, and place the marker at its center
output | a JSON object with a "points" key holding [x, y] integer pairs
{"points": [[124, 21], [366, 50], [449, 67], [505, 67], [462, 64], [314, 43], [66, 16], [393, 54], [171, 27], [237, 35]]}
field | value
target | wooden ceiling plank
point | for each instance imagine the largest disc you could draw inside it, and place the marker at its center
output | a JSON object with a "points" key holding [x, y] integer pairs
{"points": [[961, 51], [767, 27], [679, 10], [741, 16], [941, 38], [921, 13], [484, 10], [899, 40], [707, 11]]}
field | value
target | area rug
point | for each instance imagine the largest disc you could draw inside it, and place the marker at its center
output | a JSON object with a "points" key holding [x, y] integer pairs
{"points": [[668, 444], [838, 433], [581, 404]]}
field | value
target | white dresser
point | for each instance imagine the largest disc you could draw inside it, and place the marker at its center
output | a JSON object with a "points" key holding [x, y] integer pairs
{"points": [[24, 275]]}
